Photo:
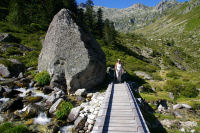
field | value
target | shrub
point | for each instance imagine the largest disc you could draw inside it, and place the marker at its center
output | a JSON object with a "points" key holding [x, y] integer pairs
{"points": [[19, 129], [13, 51], [189, 90], [173, 86], [42, 78], [5, 127], [11, 128], [147, 87], [156, 76], [173, 74], [63, 110]]}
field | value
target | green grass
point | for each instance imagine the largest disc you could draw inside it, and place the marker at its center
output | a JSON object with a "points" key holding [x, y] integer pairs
{"points": [[42, 78], [11, 128], [63, 110]]}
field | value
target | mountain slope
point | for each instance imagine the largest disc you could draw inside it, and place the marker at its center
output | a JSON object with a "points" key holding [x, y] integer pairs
{"points": [[136, 16], [182, 25]]}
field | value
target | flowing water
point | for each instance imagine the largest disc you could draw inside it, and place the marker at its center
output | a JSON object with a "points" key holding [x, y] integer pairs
{"points": [[34, 92], [1, 119], [66, 129], [3, 100], [42, 119]]}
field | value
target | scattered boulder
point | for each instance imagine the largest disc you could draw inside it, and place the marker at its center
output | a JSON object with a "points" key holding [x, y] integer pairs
{"points": [[5, 37], [179, 106], [171, 95], [177, 114], [161, 108], [74, 114], [12, 105], [141, 89], [71, 55], [4, 47], [144, 75], [18, 67], [52, 98], [47, 90], [80, 92], [11, 67], [32, 99], [55, 106], [4, 71], [21, 75]]}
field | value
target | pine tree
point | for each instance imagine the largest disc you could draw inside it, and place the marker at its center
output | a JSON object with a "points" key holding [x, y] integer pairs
{"points": [[16, 12], [109, 32], [106, 31], [99, 25], [89, 18]]}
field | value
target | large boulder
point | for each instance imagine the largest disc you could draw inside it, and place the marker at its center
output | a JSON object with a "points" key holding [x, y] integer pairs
{"points": [[71, 55]]}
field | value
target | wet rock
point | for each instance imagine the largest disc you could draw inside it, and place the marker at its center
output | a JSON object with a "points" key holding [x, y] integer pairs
{"points": [[12, 105], [30, 111], [55, 106], [32, 99], [79, 123], [81, 92], [52, 98], [74, 114], [47, 90], [71, 55], [29, 122]]}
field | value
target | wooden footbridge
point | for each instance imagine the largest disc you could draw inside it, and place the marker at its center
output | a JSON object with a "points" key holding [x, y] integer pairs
{"points": [[120, 112]]}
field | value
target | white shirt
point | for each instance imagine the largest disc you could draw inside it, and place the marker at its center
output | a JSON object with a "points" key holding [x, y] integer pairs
{"points": [[119, 66]]}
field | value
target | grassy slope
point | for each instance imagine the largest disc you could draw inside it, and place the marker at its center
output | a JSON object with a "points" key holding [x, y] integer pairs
{"points": [[184, 28]]}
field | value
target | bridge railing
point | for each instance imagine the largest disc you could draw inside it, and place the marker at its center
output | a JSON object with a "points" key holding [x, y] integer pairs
{"points": [[140, 120]]}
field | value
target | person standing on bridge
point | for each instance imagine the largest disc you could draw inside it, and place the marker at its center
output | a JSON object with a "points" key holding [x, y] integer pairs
{"points": [[118, 70]]}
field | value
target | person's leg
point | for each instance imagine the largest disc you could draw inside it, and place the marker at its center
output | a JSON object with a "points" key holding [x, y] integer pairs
{"points": [[117, 75], [120, 76]]}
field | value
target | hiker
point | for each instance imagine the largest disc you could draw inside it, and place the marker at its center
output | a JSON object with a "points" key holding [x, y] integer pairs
{"points": [[118, 70]]}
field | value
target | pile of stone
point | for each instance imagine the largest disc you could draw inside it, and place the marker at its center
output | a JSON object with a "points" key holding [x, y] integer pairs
{"points": [[84, 116]]}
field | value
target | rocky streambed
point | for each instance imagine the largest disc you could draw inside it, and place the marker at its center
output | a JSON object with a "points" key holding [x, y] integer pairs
{"points": [[36, 107]]}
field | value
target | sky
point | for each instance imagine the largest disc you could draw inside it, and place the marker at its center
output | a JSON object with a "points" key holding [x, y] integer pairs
{"points": [[123, 3]]}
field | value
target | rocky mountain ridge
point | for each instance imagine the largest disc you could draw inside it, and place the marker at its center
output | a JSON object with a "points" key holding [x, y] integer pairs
{"points": [[137, 15]]}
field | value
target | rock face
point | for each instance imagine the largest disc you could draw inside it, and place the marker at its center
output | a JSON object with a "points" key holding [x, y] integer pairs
{"points": [[71, 55]]}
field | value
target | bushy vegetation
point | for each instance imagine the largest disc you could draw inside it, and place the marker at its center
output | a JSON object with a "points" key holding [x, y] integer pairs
{"points": [[42, 78], [11, 128], [156, 76], [173, 74], [63, 110], [178, 88]]}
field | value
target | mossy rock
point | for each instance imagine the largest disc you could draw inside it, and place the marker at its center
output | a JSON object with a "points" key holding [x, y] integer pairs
{"points": [[29, 122], [33, 99]]}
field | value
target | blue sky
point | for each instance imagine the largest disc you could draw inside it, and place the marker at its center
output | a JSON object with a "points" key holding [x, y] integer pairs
{"points": [[123, 3]]}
